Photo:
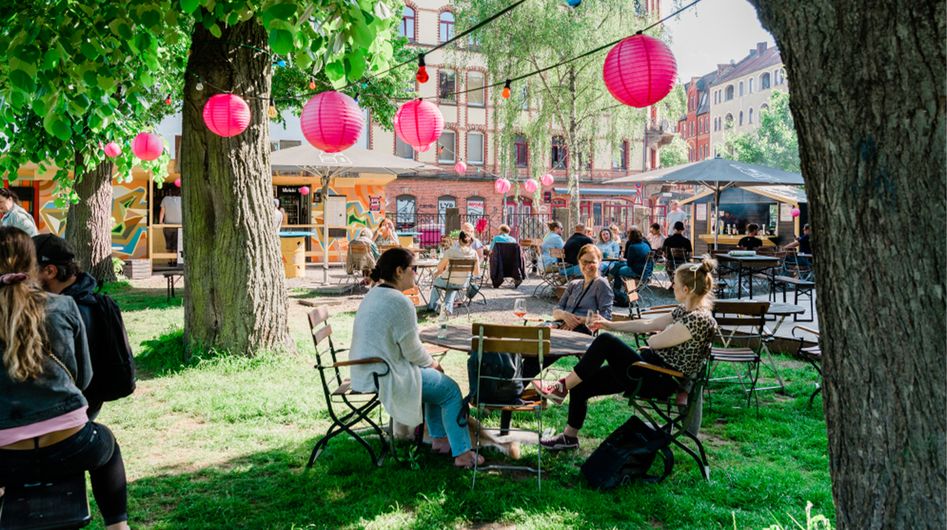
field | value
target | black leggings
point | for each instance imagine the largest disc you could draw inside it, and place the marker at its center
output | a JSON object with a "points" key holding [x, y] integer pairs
{"points": [[93, 448], [618, 376]]}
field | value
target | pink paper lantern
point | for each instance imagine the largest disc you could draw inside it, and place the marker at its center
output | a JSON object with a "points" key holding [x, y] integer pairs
{"points": [[226, 115], [112, 149], [332, 121], [530, 186], [304, 191], [795, 212], [147, 146], [460, 167], [639, 71], [419, 123], [177, 183], [547, 180], [502, 186]]}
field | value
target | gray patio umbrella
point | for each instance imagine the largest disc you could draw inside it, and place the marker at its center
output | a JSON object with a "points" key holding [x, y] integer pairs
{"points": [[716, 174], [305, 158]]}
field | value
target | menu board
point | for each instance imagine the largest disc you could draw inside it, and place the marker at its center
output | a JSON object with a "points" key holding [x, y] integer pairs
{"points": [[701, 214]]}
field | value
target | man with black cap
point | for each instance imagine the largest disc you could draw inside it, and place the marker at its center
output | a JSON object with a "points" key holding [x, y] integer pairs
{"points": [[60, 274]]}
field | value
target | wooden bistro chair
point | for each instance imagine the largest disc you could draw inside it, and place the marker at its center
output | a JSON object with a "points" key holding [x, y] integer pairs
{"points": [[346, 408], [634, 298], [742, 348], [678, 422], [360, 252], [459, 276], [812, 354], [562, 266], [523, 340], [45, 504], [551, 276]]}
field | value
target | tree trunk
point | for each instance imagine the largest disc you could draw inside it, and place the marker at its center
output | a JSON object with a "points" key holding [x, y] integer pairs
{"points": [[867, 83], [235, 294], [89, 222]]}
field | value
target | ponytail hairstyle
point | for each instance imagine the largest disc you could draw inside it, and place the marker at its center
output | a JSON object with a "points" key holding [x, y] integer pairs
{"points": [[386, 269], [22, 307], [464, 239], [699, 278]]}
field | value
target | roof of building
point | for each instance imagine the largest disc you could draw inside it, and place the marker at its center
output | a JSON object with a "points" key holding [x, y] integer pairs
{"points": [[759, 58], [703, 89]]}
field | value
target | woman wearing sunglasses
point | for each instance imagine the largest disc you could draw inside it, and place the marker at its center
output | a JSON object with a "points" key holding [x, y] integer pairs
{"points": [[681, 342]]}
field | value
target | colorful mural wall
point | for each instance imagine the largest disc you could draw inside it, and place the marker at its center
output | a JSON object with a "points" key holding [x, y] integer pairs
{"points": [[365, 207]]}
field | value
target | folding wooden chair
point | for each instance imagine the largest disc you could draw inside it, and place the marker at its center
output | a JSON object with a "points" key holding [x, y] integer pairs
{"points": [[552, 276], [459, 276], [738, 315], [634, 299], [45, 504], [347, 408], [360, 255], [522, 340], [812, 354]]}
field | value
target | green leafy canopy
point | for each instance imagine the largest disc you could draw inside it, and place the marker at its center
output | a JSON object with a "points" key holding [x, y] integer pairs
{"points": [[774, 143]]}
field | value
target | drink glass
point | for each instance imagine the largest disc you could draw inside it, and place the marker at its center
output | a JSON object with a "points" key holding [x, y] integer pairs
{"points": [[519, 307], [591, 317]]}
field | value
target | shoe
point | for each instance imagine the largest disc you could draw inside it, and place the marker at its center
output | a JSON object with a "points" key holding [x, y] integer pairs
{"points": [[555, 392], [560, 443]]}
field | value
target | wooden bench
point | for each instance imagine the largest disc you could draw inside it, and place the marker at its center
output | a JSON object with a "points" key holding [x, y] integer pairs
{"points": [[172, 277]]}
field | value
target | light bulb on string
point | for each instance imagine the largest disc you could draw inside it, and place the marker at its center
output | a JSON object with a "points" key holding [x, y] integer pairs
{"points": [[167, 100], [199, 86], [312, 85], [271, 112], [421, 76], [505, 94]]}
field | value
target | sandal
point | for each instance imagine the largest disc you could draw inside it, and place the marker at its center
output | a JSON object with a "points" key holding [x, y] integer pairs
{"points": [[468, 461]]}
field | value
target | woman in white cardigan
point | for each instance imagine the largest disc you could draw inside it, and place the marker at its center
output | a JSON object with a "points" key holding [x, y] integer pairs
{"points": [[386, 326]]}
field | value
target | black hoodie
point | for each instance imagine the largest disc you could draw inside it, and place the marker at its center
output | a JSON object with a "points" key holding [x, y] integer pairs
{"points": [[81, 291]]}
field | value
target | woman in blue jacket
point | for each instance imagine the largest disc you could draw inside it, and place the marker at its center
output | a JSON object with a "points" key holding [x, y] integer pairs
{"points": [[638, 264]]}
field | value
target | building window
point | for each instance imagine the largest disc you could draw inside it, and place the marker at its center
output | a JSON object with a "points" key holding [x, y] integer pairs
{"points": [[741, 118], [560, 153], [521, 151], [763, 108], [446, 147], [405, 212], [692, 129], [764, 81], [475, 91], [750, 85], [446, 26], [446, 86], [402, 149], [407, 23], [443, 203], [749, 118], [475, 148], [728, 121], [741, 89], [782, 76], [476, 207], [729, 92], [524, 96], [620, 156]]}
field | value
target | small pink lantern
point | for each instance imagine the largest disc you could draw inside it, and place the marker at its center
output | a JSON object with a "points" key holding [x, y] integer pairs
{"points": [[304, 191], [502, 186], [530, 186], [419, 123], [331, 121], [795, 212], [112, 149], [460, 167], [177, 183], [226, 115], [147, 146], [639, 71], [547, 180]]}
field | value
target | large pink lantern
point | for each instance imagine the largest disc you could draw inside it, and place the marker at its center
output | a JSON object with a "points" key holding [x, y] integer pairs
{"points": [[530, 186], [147, 146], [332, 121], [795, 212], [226, 115], [639, 71], [177, 183], [460, 168], [112, 149], [304, 191], [502, 186], [547, 180], [419, 123]]}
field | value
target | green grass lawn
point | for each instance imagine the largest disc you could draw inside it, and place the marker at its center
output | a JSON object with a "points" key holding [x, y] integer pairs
{"points": [[222, 442]]}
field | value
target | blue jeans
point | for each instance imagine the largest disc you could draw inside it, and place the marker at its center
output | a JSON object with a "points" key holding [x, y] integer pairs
{"points": [[573, 271], [448, 298], [442, 405]]}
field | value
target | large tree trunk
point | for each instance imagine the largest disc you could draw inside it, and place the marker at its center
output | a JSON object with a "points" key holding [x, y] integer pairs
{"points": [[867, 84], [89, 222], [235, 295]]}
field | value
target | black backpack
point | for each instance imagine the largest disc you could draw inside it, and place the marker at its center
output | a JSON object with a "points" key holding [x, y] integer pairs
{"points": [[627, 454], [503, 365], [113, 364]]}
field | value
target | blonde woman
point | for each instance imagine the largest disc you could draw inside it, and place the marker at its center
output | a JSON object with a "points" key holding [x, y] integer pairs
{"points": [[45, 431], [681, 341]]}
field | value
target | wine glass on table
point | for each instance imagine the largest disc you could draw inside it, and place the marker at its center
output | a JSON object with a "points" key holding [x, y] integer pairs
{"points": [[591, 321], [519, 308]]}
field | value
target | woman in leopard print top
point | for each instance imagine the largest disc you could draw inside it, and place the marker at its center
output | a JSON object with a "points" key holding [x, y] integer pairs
{"points": [[681, 342]]}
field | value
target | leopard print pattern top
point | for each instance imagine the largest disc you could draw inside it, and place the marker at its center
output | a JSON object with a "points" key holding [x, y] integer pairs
{"points": [[689, 357]]}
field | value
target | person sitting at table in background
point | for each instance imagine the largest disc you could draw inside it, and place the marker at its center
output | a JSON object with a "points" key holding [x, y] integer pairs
{"points": [[461, 251], [609, 249], [655, 239], [552, 240], [386, 236], [362, 262], [386, 326], [750, 241], [681, 342], [804, 245], [677, 240], [477, 246], [503, 237], [637, 263], [571, 249], [16, 216], [616, 234]]}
